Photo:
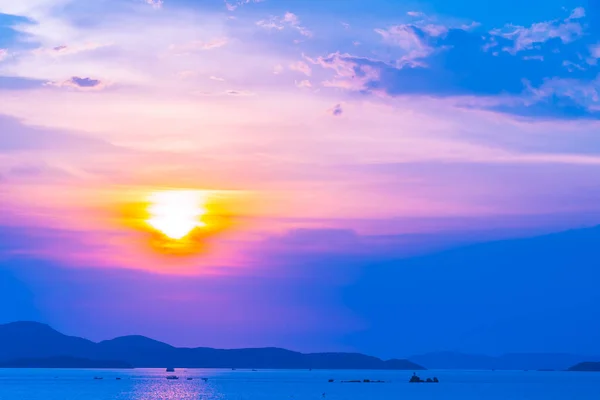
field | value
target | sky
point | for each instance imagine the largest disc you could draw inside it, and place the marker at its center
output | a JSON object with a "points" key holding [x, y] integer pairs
{"points": [[377, 176]]}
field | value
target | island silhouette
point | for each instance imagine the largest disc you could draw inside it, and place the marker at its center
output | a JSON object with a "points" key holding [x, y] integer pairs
{"points": [[36, 345], [586, 366]]}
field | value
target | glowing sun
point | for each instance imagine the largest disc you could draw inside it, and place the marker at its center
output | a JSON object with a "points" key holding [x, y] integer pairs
{"points": [[176, 213]]}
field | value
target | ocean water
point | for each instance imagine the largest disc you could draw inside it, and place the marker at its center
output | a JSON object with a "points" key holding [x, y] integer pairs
{"points": [[150, 384]]}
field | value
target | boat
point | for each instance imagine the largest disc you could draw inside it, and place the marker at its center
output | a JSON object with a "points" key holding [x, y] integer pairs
{"points": [[205, 379], [170, 369], [172, 377], [98, 377]]}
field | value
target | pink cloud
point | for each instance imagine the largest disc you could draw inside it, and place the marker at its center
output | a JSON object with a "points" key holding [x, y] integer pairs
{"points": [[304, 84], [348, 74], [301, 67], [155, 3]]}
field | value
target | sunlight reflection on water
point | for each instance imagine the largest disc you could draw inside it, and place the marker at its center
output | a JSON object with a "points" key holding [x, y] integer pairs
{"points": [[151, 384]]}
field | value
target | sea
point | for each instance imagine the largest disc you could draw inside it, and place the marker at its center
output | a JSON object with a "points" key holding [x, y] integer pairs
{"points": [[214, 384]]}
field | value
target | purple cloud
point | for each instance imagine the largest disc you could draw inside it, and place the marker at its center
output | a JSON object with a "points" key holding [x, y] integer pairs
{"points": [[79, 83], [337, 110]]}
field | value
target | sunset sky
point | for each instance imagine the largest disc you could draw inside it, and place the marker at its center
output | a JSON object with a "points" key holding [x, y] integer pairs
{"points": [[330, 150]]}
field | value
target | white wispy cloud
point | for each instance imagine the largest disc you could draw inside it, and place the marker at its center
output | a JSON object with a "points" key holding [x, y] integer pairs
{"points": [[234, 5], [198, 45], [289, 19], [64, 50], [525, 38]]}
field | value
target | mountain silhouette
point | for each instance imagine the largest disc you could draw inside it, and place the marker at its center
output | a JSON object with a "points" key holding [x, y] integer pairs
{"points": [[526, 295], [37, 345], [20, 340], [586, 366]]}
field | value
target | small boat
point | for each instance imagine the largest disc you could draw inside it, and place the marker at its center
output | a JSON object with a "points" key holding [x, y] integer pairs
{"points": [[170, 369], [172, 377], [118, 379], [98, 377], [205, 379], [189, 379]]}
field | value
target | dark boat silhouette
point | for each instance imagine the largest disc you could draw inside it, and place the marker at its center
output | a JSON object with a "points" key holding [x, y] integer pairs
{"points": [[170, 369], [172, 377]]}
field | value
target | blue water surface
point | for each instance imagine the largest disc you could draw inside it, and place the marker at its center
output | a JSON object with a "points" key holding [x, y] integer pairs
{"points": [[73, 384]]}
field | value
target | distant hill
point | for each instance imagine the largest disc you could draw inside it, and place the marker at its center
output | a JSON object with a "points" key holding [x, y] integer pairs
{"points": [[64, 362], [30, 342], [530, 294], [35, 340], [451, 360], [586, 366], [524, 361]]}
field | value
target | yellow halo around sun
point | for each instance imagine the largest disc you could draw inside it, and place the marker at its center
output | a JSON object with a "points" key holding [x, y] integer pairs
{"points": [[176, 213]]}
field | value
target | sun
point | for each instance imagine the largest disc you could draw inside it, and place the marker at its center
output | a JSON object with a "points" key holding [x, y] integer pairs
{"points": [[176, 213]]}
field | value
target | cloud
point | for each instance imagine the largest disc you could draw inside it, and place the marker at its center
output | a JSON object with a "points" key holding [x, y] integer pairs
{"points": [[18, 137], [577, 13], [350, 73], [415, 14], [76, 82], [199, 45], [301, 67], [595, 51], [411, 39], [336, 111], [64, 50], [304, 84], [155, 3], [289, 19], [17, 83], [525, 38], [216, 78], [3, 54], [240, 93], [459, 62], [232, 6]]}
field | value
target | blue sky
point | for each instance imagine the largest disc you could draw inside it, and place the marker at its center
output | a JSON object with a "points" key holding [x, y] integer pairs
{"points": [[336, 146]]}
